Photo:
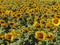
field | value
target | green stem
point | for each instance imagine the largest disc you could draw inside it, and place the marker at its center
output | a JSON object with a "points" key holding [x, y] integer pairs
{"points": [[56, 38], [47, 42]]}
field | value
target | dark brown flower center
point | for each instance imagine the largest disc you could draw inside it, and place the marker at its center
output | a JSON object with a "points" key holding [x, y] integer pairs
{"points": [[40, 35], [56, 21], [9, 36]]}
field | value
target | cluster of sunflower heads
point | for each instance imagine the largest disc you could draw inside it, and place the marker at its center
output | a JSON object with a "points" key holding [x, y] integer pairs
{"points": [[41, 35], [30, 21], [10, 36]]}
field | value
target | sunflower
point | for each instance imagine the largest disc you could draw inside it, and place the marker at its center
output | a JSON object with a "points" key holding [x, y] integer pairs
{"points": [[40, 35], [31, 14], [15, 26], [21, 10], [2, 21], [36, 24], [48, 20], [42, 25], [7, 12], [50, 36], [4, 25], [32, 10], [45, 15], [27, 9], [9, 36], [37, 9], [36, 18], [11, 24], [2, 11], [1, 36], [13, 15], [24, 29], [18, 15], [58, 16], [56, 21], [42, 21], [29, 31], [48, 26], [15, 33]]}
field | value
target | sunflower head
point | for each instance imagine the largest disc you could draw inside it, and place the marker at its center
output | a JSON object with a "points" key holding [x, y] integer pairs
{"points": [[10, 23], [9, 36], [4, 25], [40, 35], [57, 16], [15, 26], [13, 15], [2, 21], [24, 29], [50, 36], [48, 26], [56, 21], [36, 17], [7, 11], [1, 36], [42, 21], [36, 25]]}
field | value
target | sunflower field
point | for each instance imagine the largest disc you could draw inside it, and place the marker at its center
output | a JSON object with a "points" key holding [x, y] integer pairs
{"points": [[29, 22]]}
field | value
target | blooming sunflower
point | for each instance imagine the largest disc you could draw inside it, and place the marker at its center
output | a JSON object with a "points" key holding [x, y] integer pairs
{"points": [[50, 36], [2, 21], [27, 9], [13, 15], [7, 12], [58, 16], [56, 21], [48, 26], [15, 26], [9, 36], [36, 24], [42, 21], [40, 35], [4, 25], [24, 29]]}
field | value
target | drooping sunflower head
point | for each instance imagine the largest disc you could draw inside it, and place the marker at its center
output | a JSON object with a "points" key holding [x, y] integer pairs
{"points": [[56, 21], [40, 35]]}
